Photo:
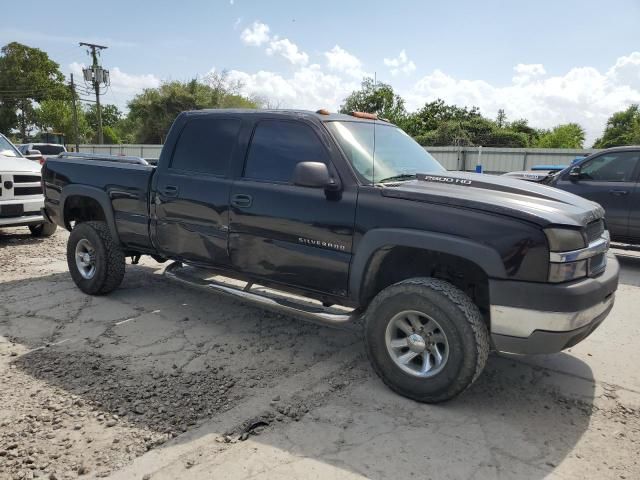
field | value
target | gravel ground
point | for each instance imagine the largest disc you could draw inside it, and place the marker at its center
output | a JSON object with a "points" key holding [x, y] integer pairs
{"points": [[160, 381]]}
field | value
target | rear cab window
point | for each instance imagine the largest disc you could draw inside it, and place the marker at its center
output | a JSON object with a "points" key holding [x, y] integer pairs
{"points": [[277, 146], [206, 145], [46, 149]]}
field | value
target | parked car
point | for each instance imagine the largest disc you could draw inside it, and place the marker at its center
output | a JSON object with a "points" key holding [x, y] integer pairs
{"points": [[540, 173], [41, 151], [440, 266], [610, 178], [531, 175], [21, 197]]}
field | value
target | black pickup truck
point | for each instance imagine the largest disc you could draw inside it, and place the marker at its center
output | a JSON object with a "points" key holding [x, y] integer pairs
{"points": [[342, 218]]}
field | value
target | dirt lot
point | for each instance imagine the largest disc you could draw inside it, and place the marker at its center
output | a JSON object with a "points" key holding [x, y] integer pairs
{"points": [[159, 381]]}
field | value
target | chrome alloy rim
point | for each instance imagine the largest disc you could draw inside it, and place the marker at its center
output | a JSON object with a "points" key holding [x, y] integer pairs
{"points": [[86, 259], [417, 343]]}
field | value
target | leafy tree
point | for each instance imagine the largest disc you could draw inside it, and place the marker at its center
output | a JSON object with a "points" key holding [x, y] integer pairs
{"points": [[569, 135], [522, 126], [27, 76], [447, 133], [434, 114], [502, 137], [376, 98], [501, 119], [623, 128], [110, 135], [154, 110], [111, 115], [57, 115], [473, 131]]}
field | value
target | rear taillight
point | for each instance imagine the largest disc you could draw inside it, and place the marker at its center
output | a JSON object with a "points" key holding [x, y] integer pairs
{"points": [[41, 160]]}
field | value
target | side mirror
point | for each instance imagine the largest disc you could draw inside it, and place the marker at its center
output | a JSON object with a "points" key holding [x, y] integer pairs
{"points": [[314, 175], [574, 173]]}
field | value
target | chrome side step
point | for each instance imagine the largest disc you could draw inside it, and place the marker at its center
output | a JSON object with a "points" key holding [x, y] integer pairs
{"points": [[262, 296]]}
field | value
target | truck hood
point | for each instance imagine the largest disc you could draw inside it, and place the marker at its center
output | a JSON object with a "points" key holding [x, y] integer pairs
{"points": [[529, 201], [16, 164]]}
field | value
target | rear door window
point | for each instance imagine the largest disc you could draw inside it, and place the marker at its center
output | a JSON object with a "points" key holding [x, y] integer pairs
{"points": [[278, 146], [206, 145]]}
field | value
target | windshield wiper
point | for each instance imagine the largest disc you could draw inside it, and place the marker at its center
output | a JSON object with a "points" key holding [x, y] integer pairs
{"points": [[395, 178]]}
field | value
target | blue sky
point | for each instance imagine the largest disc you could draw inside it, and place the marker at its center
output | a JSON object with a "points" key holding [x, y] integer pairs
{"points": [[550, 61]]}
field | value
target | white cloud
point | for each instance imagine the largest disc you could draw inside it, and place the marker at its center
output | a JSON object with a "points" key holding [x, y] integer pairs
{"points": [[256, 34], [339, 60], [527, 71], [288, 50], [400, 64], [627, 70], [583, 94], [308, 87], [122, 82], [237, 23]]}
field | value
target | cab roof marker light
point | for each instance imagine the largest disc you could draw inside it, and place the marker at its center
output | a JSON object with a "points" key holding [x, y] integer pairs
{"points": [[323, 111], [368, 116]]}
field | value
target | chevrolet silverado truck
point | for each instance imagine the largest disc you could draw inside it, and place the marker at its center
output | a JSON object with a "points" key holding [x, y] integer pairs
{"points": [[345, 219], [21, 199]]}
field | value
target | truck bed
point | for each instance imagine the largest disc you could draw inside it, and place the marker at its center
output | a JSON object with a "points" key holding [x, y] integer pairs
{"points": [[125, 186]]}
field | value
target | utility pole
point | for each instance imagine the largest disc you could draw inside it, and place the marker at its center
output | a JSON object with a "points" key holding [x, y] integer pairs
{"points": [[96, 76], [75, 113]]}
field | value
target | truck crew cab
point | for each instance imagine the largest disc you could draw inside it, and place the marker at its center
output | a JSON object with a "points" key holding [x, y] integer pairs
{"points": [[609, 177], [339, 218]]}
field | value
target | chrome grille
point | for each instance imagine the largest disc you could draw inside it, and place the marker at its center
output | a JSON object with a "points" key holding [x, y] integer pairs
{"points": [[597, 264], [17, 186], [595, 230], [26, 178]]}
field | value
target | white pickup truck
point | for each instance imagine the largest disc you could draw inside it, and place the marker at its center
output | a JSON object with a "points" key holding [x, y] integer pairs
{"points": [[21, 192]]}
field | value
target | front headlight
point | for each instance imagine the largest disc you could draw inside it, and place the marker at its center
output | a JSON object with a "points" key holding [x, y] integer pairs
{"points": [[563, 272], [565, 239]]}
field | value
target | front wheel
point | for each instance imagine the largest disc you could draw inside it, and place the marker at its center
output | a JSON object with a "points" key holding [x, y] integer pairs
{"points": [[426, 339], [95, 260], [45, 229]]}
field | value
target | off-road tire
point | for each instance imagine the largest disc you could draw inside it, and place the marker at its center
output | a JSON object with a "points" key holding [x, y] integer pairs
{"points": [[45, 229], [461, 321], [109, 259]]}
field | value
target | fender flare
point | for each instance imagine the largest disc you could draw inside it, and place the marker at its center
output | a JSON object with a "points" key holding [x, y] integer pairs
{"points": [[378, 240], [96, 194]]}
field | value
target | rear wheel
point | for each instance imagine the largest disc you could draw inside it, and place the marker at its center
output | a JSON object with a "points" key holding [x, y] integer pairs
{"points": [[95, 261], [426, 339], [45, 229]]}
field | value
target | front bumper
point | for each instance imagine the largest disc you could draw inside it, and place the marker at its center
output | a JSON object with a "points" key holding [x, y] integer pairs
{"points": [[32, 214], [529, 318]]}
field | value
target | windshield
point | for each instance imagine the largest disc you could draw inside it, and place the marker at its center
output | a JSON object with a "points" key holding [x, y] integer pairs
{"points": [[7, 149], [382, 153], [46, 149]]}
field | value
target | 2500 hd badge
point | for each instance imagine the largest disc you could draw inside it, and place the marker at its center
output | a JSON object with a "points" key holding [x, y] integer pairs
{"points": [[434, 178]]}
